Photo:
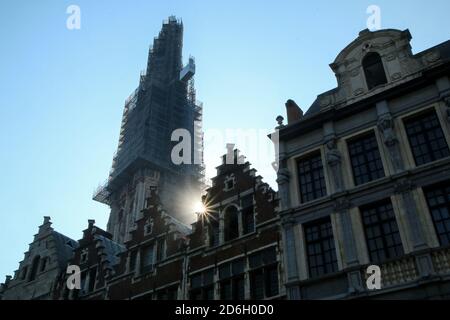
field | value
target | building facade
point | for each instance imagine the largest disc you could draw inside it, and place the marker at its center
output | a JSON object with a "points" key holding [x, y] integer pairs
{"points": [[42, 268], [364, 175], [232, 252]]}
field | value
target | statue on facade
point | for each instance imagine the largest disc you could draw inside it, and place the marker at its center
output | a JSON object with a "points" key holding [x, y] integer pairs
{"points": [[283, 177], [386, 127], [334, 159]]}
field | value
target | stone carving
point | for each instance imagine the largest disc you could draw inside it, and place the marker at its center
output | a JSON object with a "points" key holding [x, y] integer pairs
{"points": [[279, 120], [396, 76], [386, 127], [283, 177], [334, 160], [358, 92]]}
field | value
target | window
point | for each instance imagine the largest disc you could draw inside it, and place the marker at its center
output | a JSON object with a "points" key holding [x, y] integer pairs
{"points": [[373, 70], [34, 268], [263, 274], [320, 248], [92, 278], [248, 216], [170, 293], [232, 283], [438, 199], [161, 252], [83, 255], [147, 259], [426, 138], [43, 264], [229, 182], [202, 286], [381, 230], [213, 232], [365, 159], [133, 257], [231, 223], [311, 179]]}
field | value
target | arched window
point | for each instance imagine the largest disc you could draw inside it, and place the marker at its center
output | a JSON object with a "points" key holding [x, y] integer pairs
{"points": [[34, 268], [231, 223], [373, 70]]}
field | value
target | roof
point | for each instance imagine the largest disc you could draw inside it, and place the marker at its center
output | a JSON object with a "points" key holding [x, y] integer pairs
{"points": [[443, 50], [64, 247], [109, 250]]}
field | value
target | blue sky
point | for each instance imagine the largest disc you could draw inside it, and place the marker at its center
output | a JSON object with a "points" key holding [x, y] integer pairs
{"points": [[62, 91]]}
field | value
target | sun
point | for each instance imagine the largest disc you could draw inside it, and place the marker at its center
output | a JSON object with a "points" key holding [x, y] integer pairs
{"points": [[199, 207]]}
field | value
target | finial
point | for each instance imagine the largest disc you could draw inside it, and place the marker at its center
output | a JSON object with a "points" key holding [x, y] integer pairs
{"points": [[280, 120]]}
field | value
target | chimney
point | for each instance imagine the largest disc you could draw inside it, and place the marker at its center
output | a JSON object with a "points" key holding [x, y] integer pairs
{"points": [[230, 155], [45, 227], [294, 113], [91, 223]]}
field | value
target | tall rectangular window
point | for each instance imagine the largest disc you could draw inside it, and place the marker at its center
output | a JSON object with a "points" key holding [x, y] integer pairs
{"points": [[381, 230], [172, 293], [232, 284], [161, 251], [213, 231], [92, 279], [248, 216], [365, 158], [202, 285], [320, 248], [263, 274], [426, 138], [438, 199], [147, 259], [311, 178]]}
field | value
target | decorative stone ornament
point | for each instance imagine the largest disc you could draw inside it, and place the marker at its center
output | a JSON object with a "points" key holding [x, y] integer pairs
{"points": [[334, 160]]}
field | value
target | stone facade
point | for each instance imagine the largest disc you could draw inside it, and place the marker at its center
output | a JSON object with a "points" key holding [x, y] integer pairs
{"points": [[373, 149]]}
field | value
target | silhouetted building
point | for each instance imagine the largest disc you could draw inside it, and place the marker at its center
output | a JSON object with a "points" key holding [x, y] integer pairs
{"points": [[43, 266], [232, 251], [163, 102]]}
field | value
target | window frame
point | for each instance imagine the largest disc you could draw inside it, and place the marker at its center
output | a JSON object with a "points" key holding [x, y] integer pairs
{"points": [[232, 279], [334, 262], [380, 223], [205, 287], [372, 176], [227, 230], [317, 194], [442, 186], [415, 117], [268, 262], [370, 84]]}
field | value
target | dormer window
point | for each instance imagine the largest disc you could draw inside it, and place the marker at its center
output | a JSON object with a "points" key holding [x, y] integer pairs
{"points": [[84, 255], [229, 182], [373, 70], [148, 228]]}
